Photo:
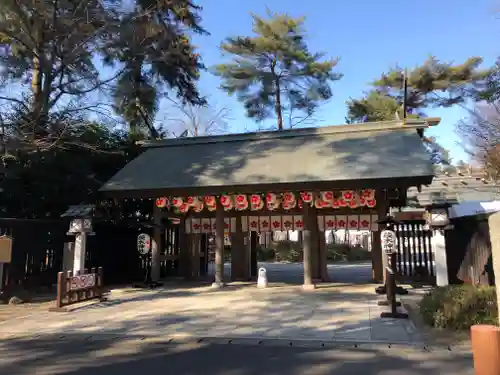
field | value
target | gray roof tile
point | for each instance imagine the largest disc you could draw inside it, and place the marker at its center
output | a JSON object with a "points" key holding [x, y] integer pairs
{"points": [[454, 188], [337, 153]]}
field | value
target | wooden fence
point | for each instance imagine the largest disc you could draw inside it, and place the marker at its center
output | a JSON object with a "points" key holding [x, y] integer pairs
{"points": [[78, 288], [415, 257], [468, 252], [36, 254], [38, 245]]}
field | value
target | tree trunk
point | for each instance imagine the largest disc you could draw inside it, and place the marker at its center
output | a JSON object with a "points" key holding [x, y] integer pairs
{"points": [[277, 106]]}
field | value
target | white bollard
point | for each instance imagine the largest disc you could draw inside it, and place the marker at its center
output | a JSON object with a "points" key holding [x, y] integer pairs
{"points": [[262, 279]]}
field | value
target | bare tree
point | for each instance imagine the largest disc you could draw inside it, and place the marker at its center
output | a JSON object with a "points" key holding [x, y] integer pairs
{"points": [[480, 137], [198, 120]]}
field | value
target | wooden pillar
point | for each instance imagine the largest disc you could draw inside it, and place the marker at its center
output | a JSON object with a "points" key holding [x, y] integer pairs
{"points": [[219, 243], [203, 255], [195, 256], [377, 254], [315, 248], [187, 256], [246, 257], [307, 247], [184, 264], [323, 261], [238, 254], [253, 254], [157, 245]]}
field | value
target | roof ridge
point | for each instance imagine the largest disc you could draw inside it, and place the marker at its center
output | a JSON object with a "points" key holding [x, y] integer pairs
{"points": [[393, 125]]}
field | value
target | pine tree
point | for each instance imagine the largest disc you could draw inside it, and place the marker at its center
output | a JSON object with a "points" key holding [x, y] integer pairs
{"points": [[374, 106], [274, 69], [154, 47], [435, 83]]}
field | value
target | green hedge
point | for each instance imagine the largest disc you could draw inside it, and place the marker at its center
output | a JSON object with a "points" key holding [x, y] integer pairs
{"points": [[458, 307], [345, 253]]}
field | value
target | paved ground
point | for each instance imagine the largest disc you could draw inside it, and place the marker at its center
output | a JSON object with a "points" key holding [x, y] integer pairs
{"points": [[111, 356], [192, 329], [334, 312]]}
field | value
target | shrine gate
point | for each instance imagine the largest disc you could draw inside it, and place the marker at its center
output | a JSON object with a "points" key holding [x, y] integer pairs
{"points": [[311, 179]]}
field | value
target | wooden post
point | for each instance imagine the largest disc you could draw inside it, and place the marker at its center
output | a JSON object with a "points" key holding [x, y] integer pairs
{"points": [[219, 241], [238, 253], [323, 261], [188, 256], [307, 249], [156, 246], [377, 255], [253, 254], [183, 248], [315, 249], [60, 289], [100, 283], [196, 267]]}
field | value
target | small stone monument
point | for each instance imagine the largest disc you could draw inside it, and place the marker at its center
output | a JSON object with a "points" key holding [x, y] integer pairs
{"points": [[262, 278]]}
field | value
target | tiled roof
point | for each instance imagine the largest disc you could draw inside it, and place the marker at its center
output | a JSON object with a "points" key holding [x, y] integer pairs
{"points": [[381, 150], [455, 187]]}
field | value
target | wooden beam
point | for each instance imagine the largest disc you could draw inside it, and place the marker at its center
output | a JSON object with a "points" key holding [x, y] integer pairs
{"points": [[373, 183]]}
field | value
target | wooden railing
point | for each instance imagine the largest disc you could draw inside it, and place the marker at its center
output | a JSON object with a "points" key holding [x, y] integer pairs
{"points": [[78, 288]]}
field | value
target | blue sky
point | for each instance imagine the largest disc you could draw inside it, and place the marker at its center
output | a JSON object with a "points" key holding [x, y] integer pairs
{"points": [[369, 36]]}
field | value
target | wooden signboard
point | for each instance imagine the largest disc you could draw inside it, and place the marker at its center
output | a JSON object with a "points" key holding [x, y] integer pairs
{"points": [[5, 249]]}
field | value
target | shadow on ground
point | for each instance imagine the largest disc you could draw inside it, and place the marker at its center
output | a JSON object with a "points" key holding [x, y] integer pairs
{"points": [[110, 355]]}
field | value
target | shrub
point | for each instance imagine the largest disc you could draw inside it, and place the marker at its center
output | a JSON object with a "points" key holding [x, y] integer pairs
{"points": [[345, 253], [286, 250], [458, 307], [265, 254]]}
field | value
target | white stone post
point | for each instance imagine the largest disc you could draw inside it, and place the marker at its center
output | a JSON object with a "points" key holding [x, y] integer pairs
{"points": [[438, 244], [80, 246]]}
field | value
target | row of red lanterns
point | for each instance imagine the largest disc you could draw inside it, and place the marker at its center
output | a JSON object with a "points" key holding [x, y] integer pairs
{"points": [[273, 201]]}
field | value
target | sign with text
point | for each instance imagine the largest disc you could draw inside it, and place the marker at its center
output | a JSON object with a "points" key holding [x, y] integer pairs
{"points": [[82, 281], [388, 239]]}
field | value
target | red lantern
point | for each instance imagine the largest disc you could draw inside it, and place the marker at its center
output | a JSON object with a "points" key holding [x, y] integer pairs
{"points": [[306, 196], [177, 202], [348, 195], [210, 200], [241, 202], [368, 193], [256, 202], [161, 202], [226, 200]]}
